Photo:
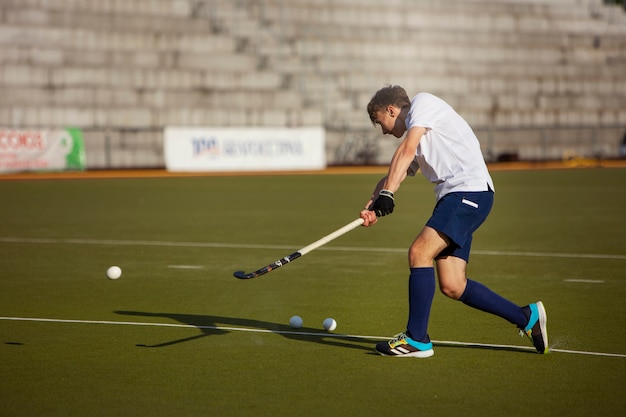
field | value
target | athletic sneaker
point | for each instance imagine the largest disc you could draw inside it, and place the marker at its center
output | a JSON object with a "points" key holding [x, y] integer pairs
{"points": [[536, 329], [403, 346]]}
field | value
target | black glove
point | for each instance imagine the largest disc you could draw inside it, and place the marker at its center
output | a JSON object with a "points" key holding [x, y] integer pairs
{"points": [[384, 203]]}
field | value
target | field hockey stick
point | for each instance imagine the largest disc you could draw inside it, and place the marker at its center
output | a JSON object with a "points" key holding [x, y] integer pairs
{"points": [[334, 235]]}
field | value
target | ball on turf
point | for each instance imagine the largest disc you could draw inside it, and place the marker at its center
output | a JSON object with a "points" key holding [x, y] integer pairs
{"points": [[295, 322], [330, 324], [114, 272]]}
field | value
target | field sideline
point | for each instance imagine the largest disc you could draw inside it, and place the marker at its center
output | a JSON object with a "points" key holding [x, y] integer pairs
{"points": [[302, 333], [334, 170]]}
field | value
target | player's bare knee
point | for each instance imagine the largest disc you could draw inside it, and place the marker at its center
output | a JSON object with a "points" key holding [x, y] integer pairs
{"points": [[419, 258], [451, 291]]}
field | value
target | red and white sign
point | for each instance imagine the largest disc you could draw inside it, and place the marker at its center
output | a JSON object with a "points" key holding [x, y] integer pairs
{"points": [[41, 150]]}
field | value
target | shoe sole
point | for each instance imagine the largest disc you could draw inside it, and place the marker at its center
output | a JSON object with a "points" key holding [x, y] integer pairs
{"points": [[543, 325], [420, 354]]}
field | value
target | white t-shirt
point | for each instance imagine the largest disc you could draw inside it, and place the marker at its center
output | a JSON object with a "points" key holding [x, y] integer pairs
{"points": [[449, 153]]}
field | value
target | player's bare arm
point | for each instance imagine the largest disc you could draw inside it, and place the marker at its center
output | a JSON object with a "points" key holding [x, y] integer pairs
{"points": [[382, 202], [402, 159]]}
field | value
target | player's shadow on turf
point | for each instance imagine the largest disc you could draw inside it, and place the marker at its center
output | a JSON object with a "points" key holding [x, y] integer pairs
{"points": [[454, 345], [218, 325]]}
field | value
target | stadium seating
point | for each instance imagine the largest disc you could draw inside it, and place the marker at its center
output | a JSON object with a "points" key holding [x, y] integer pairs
{"points": [[123, 70]]}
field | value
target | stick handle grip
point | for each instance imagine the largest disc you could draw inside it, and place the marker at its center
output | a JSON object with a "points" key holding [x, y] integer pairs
{"points": [[334, 235]]}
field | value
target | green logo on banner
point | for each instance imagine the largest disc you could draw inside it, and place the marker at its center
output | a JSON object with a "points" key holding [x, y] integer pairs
{"points": [[75, 159]]}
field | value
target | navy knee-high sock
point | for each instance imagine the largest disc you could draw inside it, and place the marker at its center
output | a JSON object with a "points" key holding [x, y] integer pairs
{"points": [[421, 293], [478, 296]]}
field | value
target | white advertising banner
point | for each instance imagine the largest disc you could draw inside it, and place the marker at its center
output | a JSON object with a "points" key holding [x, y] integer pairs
{"points": [[244, 149], [41, 150]]}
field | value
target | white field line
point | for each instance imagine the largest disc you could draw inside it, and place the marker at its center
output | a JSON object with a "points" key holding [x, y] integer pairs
{"points": [[185, 266], [246, 329], [75, 241]]}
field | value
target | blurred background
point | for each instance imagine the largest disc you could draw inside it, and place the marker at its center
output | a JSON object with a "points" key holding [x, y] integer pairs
{"points": [[536, 79]]}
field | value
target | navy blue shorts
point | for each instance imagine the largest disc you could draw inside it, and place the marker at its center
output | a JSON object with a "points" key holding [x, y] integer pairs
{"points": [[458, 215]]}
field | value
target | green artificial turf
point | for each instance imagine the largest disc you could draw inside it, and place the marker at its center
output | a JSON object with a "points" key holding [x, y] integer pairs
{"points": [[178, 335]]}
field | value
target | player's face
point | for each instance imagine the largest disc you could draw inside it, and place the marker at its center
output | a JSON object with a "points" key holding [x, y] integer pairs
{"points": [[389, 122]]}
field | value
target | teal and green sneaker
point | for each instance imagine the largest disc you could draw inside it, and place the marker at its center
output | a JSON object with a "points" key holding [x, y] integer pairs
{"points": [[537, 327], [403, 346]]}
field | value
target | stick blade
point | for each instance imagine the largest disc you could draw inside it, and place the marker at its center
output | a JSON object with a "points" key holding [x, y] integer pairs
{"points": [[242, 275]]}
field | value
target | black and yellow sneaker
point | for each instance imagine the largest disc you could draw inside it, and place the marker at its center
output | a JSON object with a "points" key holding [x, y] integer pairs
{"points": [[537, 327], [403, 346]]}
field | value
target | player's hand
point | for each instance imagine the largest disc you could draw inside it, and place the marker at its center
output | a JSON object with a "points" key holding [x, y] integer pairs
{"points": [[369, 218], [384, 204]]}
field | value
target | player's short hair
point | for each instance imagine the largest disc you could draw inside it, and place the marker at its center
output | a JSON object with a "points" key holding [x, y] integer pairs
{"points": [[390, 95]]}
